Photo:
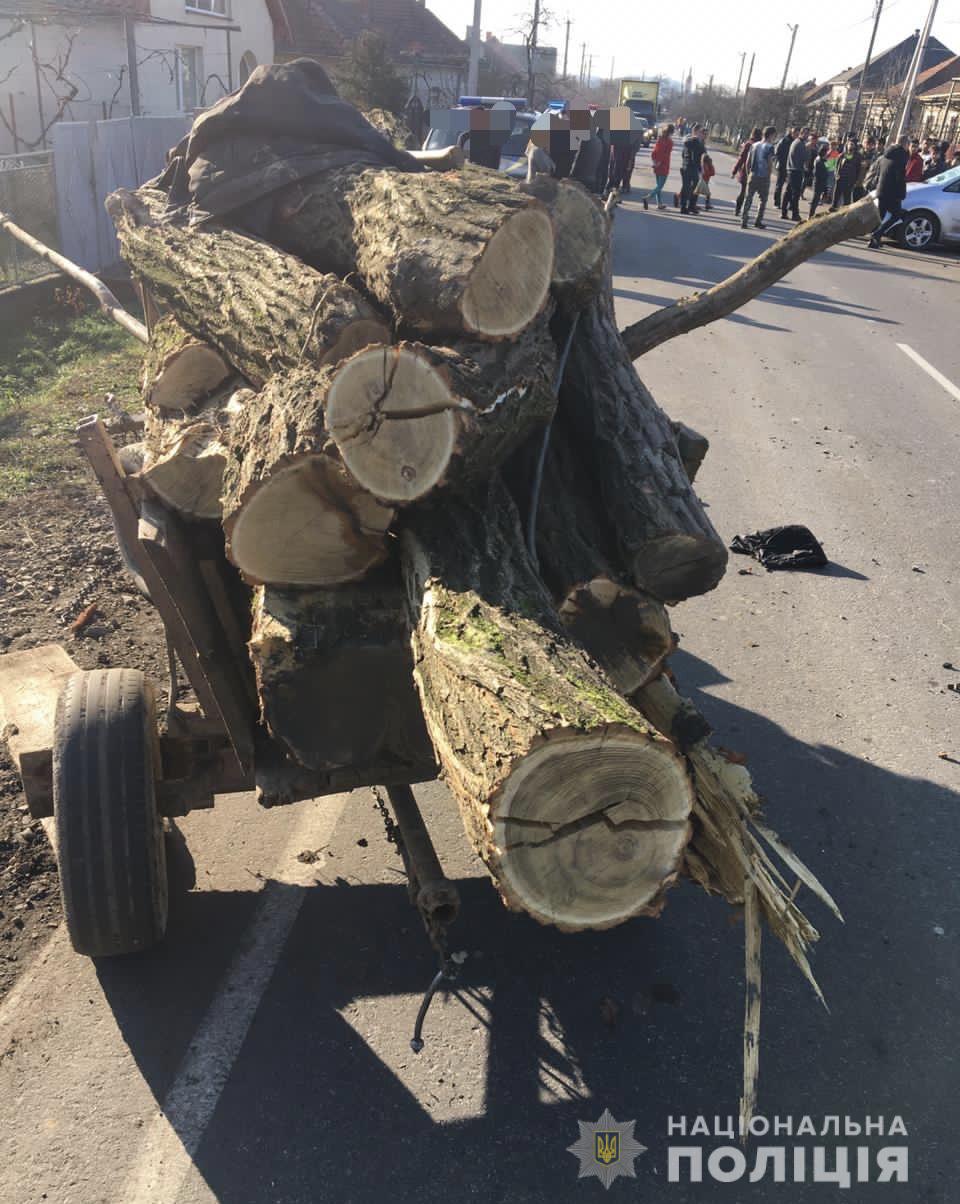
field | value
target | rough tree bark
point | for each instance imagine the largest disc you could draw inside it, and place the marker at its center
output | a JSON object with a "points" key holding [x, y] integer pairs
{"points": [[666, 541], [582, 231], [262, 309], [292, 513], [459, 253], [409, 419], [624, 629], [335, 677], [800, 244], [579, 811]]}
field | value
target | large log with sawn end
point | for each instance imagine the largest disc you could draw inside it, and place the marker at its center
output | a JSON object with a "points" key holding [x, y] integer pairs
{"points": [[261, 308], [459, 253], [292, 514], [578, 808]]}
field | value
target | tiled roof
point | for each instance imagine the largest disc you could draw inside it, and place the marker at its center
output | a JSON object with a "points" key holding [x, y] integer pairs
{"points": [[325, 27], [54, 10], [894, 62], [936, 81]]}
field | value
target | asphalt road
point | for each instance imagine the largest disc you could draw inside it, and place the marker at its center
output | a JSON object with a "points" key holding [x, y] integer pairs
{"points": [[262, 1054]]}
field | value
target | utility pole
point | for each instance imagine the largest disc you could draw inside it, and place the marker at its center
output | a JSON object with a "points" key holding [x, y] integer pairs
{"points": [[743, 63], [566, 48], [743, 103], [612, 61], [532, 54], [866, 68], [583, 61], [793, 37], [911, 85], [473, 72], [589, 70]]}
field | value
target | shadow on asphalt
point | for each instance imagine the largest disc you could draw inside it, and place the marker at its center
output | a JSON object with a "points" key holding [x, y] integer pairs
{"points": [[311, 1112], [714, 247]]}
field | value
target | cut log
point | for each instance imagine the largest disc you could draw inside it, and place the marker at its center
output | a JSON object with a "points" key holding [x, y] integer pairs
{"points": [[666, 541], [579, 810], [292, 513], [185, 459], [800, 244], [179, 370], [582, 232], [459, 253], [394, 127], [693, 448], [335, 677], [262, 309], [410, 418], [624, 629]]}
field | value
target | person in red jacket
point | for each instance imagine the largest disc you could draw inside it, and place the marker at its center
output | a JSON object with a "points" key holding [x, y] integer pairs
{"points": [[915, 165], [660, 161]]}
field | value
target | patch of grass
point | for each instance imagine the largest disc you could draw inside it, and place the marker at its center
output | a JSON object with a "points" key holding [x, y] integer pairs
{"points": [[54, 369]]}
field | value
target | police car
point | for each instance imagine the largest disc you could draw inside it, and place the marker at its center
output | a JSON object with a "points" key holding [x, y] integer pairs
{"points": [[451, 127]]}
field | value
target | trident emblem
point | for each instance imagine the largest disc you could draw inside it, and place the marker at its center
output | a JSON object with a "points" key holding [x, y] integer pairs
{"points": [[607, 1148]]}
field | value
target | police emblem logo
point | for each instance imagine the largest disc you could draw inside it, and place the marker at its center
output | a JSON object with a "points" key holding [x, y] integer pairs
{"points": [[606, 1149]]}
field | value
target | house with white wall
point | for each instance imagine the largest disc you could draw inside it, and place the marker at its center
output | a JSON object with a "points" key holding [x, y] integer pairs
{"points": [[80, 60]]}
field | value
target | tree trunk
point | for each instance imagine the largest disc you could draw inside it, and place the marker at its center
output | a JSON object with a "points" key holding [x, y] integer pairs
{"points": [[578, 809], [292, 513], [624, 629], [666, 541], [692, 446], [582, 234], [409, 419], [335, 677], [799, 245], [458, 253], [179, 370], [184, 458], [262, 309]]}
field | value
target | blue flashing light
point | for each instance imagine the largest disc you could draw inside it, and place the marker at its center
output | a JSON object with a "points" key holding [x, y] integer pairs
{"points": [[486, 102]]}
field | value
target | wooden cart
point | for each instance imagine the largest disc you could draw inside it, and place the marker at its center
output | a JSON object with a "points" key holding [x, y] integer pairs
{"points": [[92, 755]]}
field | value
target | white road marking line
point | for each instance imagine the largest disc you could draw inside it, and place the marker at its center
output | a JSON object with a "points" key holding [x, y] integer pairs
{"points": [[932, 372], [173, 1135]]}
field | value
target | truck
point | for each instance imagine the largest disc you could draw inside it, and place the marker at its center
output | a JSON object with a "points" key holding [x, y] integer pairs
{"points": [[642, 96]]}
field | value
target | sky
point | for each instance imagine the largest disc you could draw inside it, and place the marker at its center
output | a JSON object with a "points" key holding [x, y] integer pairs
{"points": [[711, 35]]}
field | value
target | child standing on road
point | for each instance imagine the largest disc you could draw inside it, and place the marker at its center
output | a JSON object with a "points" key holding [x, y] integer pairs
{"points": [[707, 172]]}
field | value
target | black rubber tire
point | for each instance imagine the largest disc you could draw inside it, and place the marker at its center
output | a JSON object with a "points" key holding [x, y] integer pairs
{"points": [[925, 215], [110, 847]]}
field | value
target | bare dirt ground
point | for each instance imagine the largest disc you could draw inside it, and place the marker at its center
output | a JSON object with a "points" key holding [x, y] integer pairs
{"points": [[58, 557]]}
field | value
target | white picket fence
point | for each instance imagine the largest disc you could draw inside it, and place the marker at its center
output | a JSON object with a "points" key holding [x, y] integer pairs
{"points": [[91, 159]]}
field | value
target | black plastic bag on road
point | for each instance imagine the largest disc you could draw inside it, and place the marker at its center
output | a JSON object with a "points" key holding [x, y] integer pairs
{"points": [[790, 547]]}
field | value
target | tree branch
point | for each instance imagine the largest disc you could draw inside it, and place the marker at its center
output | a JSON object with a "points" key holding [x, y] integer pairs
{"points": [[802, 243]]}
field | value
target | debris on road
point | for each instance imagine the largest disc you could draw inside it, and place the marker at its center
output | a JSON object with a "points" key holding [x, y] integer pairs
{"points": [[787, 547]]}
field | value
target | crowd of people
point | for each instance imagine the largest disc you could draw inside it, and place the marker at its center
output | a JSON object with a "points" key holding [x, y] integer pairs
{"points": [[835, 172]]}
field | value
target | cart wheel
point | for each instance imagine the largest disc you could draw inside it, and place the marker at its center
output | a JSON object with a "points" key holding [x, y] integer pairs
{"points": [[110, 850]]}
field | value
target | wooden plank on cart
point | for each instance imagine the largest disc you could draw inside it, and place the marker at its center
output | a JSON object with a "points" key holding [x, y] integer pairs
{"points": [[177, 594], [30, 683]]}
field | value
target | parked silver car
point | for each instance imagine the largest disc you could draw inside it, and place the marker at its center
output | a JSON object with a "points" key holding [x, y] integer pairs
{"points": [[933, 212]]}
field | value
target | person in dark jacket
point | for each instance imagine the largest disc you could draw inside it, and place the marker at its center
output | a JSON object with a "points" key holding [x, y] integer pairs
{"points": [[868, 157], [938, 161], [891, 190], [821, 177], [740, 167], [848, 172], [796, 164], [782, 153], [693, 151]]}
